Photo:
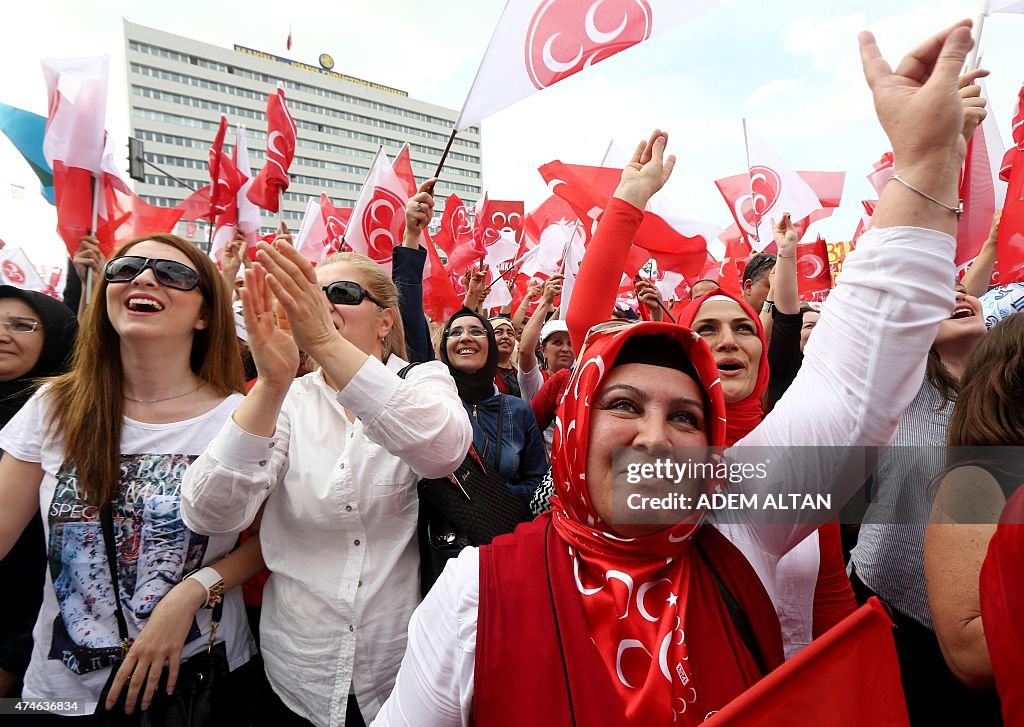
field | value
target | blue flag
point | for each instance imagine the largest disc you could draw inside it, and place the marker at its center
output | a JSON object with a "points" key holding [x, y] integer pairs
{"points": [[25, 130]]}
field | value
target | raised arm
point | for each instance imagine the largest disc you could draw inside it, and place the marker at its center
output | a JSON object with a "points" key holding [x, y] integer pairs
{"points": [[533, 291], [593, 296], [531, 334], [407, 273]]}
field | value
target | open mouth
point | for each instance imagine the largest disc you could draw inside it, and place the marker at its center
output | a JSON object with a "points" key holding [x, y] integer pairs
{"points": [[731, 367], [962, 311], [143, 304]]}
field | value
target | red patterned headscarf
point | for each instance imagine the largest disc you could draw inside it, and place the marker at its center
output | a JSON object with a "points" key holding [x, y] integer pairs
{"points": [[645, 597], [744, 415]]}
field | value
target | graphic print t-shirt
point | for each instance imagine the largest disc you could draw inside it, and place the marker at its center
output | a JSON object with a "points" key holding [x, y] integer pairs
{"points": [[76, 636]]}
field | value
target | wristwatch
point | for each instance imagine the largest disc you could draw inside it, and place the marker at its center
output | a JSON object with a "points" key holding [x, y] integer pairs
{"points": [[768, 307], [209, 579]]}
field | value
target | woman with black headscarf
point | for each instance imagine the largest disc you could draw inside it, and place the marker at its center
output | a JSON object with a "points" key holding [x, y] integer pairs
{"points": [[37, 335], [505, 432]]}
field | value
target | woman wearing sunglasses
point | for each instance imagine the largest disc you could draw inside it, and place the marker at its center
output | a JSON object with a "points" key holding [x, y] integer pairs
{"points": [[156, 373], [581, 618], [336, 456]]}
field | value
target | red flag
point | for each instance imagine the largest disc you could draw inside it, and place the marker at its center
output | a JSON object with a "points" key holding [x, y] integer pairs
{"points": [[403, 170], [272, 179], [224, 175], [379, 215], [439, 298], [336, 221], [288, 43], [588, 189], [850, 676], [881, 172], [127, 216], [499, 228], [865, 220], [981, 190], [456, 237], [197, 205], [812, 271], [1010, 243]]}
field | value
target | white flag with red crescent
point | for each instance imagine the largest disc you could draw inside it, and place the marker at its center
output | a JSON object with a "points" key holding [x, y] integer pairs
{"points": [[537, 43], [379, 215]]}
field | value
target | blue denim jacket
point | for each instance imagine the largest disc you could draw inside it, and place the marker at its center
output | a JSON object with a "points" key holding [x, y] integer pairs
{"points": [[523, 462]]}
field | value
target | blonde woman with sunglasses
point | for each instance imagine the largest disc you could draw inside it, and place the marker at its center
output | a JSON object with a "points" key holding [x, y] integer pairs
{"points": [[335, 456]]}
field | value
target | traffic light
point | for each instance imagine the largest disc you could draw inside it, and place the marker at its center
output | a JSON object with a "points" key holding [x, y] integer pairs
{"points": [[136, 160]]}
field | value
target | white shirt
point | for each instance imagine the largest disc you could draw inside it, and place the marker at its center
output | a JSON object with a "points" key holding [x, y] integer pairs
{"points": [[339, 529], [77, 619], [861, 369]]}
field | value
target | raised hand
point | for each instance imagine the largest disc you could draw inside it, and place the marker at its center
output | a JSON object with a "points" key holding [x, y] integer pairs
{"points": [[785, 234], [89, 257], [649, 295], [270, 341], [918, 104], [647, 171], [552, 289], [418, 213], [973, 103]]}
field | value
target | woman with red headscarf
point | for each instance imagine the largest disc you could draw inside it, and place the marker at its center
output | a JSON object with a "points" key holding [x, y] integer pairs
{"points": [[581, 618]]}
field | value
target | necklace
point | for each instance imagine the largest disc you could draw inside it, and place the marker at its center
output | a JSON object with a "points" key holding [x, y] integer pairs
{"points": [[169, 398]]}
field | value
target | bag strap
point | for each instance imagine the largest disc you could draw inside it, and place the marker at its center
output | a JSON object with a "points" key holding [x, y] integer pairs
{"points": [[501, 428], [406, 369], [736, 612], [107, 525]]}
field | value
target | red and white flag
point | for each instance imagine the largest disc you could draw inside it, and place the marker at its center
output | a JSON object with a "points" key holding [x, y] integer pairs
{"points": [[499, 226], [981, 189], [17, 270], [813, 274], [248, 213], [537, 43], [272, 179], [773, 188], [225, 178], [1006, 6], [456, 237], [312, 232], [379, 215], [403, 170], [336, 221], [881, 172], [73, 143], [1010, 242]]}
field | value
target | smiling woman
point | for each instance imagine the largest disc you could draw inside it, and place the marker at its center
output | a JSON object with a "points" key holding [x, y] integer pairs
{"points": [[156, 372]]}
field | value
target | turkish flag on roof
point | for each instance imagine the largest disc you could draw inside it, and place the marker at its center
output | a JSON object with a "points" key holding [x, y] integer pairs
{"points": [[538, 43], [272, 179]]}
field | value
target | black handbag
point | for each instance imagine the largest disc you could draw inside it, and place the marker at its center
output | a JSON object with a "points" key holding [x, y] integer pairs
{"points": [[195, 701], [471, 506]]}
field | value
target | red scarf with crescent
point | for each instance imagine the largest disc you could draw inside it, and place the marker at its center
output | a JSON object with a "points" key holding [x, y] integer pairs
{"points": [[744, 415], [652, 605]]}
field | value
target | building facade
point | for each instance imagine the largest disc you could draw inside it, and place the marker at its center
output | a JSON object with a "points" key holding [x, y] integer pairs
{"points": [[178, 88]]}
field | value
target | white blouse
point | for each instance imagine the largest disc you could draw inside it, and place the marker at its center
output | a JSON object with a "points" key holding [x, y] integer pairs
{"points": [[339, 528], [861, 369]]}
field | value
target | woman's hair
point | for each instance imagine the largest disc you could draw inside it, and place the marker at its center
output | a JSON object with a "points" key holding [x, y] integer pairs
{"points": [[86, 403], [381, 287], [988, 410], [940, 377]]}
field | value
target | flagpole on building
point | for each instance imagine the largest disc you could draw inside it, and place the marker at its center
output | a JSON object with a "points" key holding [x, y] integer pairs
{"points": [[750, 183]]}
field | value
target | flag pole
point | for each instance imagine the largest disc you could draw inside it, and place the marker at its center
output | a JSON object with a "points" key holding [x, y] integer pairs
{"points": [[280, 207], [750, 182], [979, 24], [444, 154], [96, 190]]}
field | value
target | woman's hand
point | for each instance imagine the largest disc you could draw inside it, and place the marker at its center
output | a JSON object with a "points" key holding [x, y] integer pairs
{"points": [[273, 349], [786, 236], [161, 642], [291, 279], [647, 171], [89, 257], [552, 289], [649, 295], [418, 213], [973, 102]]}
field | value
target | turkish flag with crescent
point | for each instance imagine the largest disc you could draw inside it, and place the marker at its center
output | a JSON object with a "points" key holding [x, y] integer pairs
{"points": [[456, 237], [225, 178], [813, 275], [849, 676], [379, 215], [127, 216], [1010, 242], [498, 227], [272, 179], [538, 43], [336, 221]]}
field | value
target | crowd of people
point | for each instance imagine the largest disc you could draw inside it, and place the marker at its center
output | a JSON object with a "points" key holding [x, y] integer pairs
{"points": [[186, 429]]}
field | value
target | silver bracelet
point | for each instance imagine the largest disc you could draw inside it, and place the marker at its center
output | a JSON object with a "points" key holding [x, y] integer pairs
{"points": [[958, 210]]}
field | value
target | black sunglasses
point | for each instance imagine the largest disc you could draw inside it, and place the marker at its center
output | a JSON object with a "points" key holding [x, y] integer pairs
{"points": [[168, 273], [346, 292]]}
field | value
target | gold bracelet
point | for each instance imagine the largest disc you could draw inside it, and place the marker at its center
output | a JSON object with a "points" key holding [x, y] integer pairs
{"points": [[958, 210]]}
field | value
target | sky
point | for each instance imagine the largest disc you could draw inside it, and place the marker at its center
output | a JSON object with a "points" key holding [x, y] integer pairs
{"points": [[792, 69]]}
